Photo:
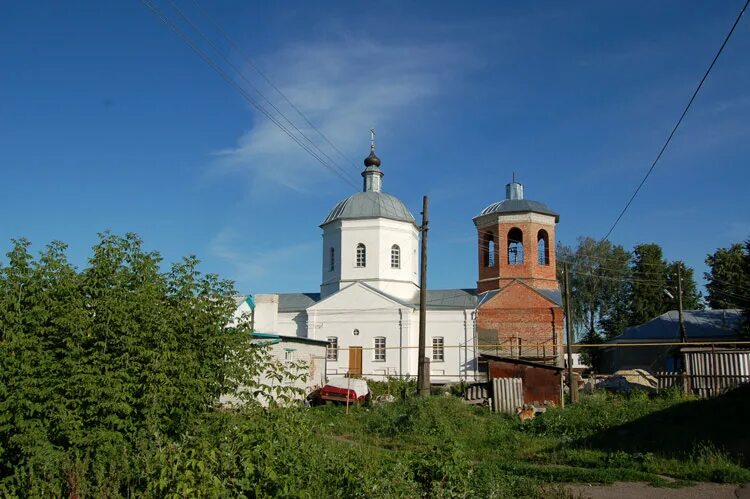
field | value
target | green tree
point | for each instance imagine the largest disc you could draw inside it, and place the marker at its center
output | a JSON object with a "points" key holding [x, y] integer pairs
{"points": [[649, 272], [599, 273], [98, 364], [616, 308], [727, 279]]}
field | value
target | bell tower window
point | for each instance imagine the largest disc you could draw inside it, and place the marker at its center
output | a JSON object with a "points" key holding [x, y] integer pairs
{"points": [[361, 259], [542, 247], [490, 250], [332, 260], [395, 257], [515, 246]]}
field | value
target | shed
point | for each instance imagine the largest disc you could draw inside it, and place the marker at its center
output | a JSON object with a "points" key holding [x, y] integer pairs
{"points": [[541, 382]]}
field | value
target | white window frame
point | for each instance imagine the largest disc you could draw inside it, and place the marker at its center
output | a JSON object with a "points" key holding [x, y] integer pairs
{"points": [[360, 256], [332, 349], [438, 349], [288, 355], [379, 350], [395, 257]]}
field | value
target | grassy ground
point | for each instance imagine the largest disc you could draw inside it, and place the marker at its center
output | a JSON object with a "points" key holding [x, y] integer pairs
{"points": [[665, 441]]}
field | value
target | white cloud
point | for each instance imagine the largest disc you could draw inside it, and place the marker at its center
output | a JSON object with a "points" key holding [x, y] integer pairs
{"points": [[344, 88]]}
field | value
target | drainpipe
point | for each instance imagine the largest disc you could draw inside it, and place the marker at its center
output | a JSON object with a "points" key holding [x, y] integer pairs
{"points": [[400, 343]]}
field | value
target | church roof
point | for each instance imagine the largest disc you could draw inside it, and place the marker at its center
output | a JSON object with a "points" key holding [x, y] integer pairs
{"points": [[370, 204], [519, 206], [297, 302]]}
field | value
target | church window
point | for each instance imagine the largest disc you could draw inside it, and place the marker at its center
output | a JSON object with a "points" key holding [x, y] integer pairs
{"points": [[438, 349], [361, 255], [515, 246], [542, 247], [289, 354], [395, 257], [380, 348], [332, 350], [332, 260]]}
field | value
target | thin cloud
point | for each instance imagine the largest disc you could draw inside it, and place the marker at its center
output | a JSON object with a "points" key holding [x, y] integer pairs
{"points": [[344, 89]]}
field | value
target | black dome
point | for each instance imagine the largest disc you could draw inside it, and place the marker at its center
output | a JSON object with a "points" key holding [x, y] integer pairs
{"points": [[372, 160]]}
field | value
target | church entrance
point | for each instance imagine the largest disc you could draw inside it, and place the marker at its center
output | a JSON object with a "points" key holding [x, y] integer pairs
{"points": [[355, 361]]}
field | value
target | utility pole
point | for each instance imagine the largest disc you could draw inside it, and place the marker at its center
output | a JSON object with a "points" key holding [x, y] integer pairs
{"points": [[572, 382], [683, 332], [423, 363]]}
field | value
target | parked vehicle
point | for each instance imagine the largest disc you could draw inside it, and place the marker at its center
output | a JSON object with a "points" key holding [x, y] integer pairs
{"points": [[341, 390]]}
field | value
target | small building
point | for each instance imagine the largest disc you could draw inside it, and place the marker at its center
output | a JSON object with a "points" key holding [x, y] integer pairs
{"points": [[655, 345], [304, 359], [541, 383]]}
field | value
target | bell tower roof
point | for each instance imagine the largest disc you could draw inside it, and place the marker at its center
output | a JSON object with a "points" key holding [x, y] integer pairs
{"points": [[514, 202]]}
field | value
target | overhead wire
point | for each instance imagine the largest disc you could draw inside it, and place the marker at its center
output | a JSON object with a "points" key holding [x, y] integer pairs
{"points": [[265, 77], [241, 74], [679, 122], [223, 74]]}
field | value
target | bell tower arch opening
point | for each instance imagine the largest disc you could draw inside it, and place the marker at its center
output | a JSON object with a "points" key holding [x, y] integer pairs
{"points": [[515, 246]]}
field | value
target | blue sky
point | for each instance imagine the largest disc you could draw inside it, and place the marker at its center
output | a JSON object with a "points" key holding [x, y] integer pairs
{"points": [[109, 121]]}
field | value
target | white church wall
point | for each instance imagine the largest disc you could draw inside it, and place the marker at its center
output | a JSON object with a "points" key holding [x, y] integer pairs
{"points": [[378, 236], [292, 324], [360, 328], [456, 329]]}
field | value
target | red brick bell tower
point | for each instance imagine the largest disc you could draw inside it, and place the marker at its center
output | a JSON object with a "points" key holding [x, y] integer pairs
{"points": [[520, 308], [516, 241]]}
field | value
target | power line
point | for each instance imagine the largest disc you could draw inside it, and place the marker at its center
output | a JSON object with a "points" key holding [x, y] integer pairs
{"points": [[255, 89], [270, 83], [679, 121], [210, 62]]}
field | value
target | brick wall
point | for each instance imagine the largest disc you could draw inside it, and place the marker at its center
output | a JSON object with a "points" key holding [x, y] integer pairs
{"points": [[520, 322], [502, 272]]}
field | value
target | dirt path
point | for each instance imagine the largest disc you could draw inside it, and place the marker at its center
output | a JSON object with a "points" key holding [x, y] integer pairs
{"points": [[638, 490]]}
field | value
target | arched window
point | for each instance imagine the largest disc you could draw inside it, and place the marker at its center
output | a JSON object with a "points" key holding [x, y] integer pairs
{"points": [[395, 257], [490, 250], [515, 246], [361, 260], [542, 247], [332, 261]]}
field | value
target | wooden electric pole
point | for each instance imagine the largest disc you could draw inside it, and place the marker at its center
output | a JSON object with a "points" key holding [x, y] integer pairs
{"points": [[572, 381], [683, 332], [423, 363]]}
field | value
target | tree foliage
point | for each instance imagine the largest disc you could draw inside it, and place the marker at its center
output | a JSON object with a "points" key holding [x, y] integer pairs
{"points": [[93, 362], [613, 288], [728, 280]]}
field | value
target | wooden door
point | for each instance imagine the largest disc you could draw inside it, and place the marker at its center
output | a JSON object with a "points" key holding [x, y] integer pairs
{"points": [[355, 361]]}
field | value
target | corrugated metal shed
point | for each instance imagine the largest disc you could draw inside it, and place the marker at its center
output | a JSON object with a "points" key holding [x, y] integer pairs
{"points": [[541, 382]]}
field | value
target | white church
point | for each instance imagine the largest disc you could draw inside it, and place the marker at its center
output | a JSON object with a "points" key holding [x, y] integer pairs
{"points": [[367, 310]]}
